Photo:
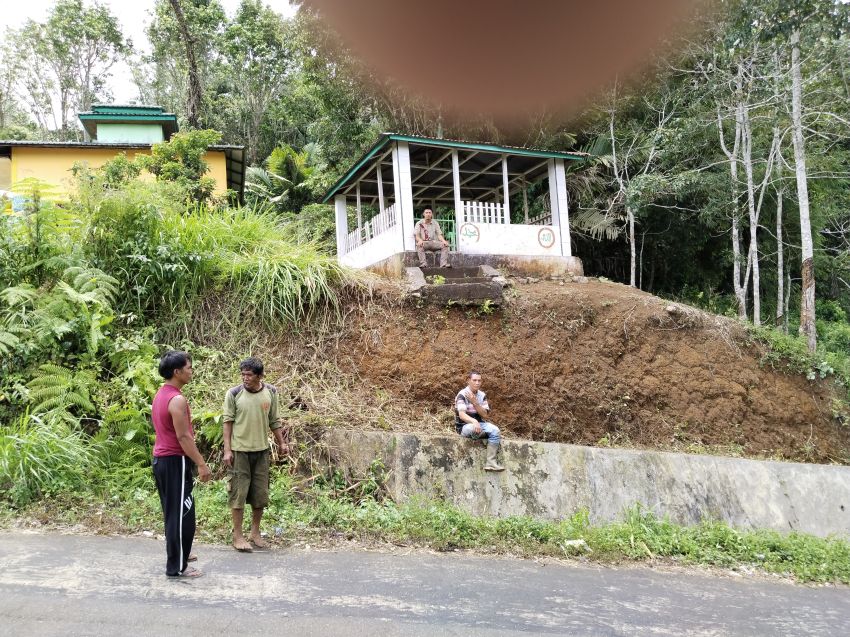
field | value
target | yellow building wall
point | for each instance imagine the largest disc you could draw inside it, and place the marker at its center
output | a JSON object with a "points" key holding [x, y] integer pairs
{"points": [[53, 165], [218, 169]]}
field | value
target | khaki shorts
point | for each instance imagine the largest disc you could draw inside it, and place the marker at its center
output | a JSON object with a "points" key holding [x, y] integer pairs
{"points": [[249, 479]]}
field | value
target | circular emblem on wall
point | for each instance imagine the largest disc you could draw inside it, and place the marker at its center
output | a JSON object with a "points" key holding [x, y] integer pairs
{"points": [[546, 237], [471, 233]]}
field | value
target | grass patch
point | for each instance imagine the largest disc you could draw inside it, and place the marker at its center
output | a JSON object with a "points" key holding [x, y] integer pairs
{"points": [[788, 352], [325, 510], [43, 456]]}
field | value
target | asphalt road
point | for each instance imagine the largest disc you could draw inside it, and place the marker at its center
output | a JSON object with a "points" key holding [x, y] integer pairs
{"points": [[54, 584]]}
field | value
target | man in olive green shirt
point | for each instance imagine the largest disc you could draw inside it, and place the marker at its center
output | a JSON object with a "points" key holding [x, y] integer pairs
{"points": [[429, 236], [250, 410]]}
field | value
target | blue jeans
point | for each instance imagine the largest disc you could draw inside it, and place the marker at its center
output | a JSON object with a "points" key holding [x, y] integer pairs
{"points": [[488, 430]]}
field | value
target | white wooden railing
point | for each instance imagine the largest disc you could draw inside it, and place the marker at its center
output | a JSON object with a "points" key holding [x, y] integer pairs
{"points": [[544, 219], [378, 224], [479, 212]]}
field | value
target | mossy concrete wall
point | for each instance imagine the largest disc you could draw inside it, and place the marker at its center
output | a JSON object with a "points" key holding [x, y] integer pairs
{"points": [[553, 481]]}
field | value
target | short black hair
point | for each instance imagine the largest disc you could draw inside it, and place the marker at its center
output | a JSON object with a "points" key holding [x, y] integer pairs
{"points": [[473, 372], [173, 360], [252, 365], [427, 209]]}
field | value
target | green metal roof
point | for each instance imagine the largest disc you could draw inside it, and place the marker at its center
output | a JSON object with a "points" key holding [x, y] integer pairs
{"points": [[129, 114], [126, 109], [386, 138]]}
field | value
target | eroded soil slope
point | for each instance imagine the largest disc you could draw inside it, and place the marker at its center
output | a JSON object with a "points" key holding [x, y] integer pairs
{"points": [[599, 363]]}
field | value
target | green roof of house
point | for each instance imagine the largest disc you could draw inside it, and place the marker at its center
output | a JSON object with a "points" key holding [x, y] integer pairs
{"points": [[127, 114]]}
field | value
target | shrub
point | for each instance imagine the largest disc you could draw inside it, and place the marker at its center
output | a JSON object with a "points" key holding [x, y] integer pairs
{"points": [[181, 161], [43, 455]]}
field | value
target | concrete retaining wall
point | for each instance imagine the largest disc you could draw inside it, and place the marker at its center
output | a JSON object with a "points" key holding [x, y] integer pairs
{"points": [[553, 481]]}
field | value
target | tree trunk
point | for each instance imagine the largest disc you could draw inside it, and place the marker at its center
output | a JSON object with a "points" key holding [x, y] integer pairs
{"points": [[780, 259], [781, 317], [740, 289], [195, 93], [739, 286], [640, 260], [747, 160], [787, 299], [632, 250], [807, 286]]}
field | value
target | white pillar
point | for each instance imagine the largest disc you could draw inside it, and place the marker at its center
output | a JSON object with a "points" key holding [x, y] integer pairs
{"points": [[341, 225], [458, 200], [525, 199], [380, 189], [404, 192], [553, 197], [506, 206], [563, 206], [359, 214]]}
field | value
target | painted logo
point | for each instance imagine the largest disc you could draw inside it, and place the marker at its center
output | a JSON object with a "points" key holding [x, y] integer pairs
{"points": [[546, 237], [471, 233]]}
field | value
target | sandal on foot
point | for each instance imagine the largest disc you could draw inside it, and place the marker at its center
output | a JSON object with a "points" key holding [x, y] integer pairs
{"points": [[192, 558], [189, 572]]}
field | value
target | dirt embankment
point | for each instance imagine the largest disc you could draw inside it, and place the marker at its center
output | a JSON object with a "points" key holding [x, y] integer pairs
{"points": [[599, 363]]}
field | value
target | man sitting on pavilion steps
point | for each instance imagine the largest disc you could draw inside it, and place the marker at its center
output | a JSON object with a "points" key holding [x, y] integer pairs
{"points": [[430, 237]]}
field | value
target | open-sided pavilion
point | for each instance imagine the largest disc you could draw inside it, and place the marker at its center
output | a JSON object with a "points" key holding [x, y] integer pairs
{"points": [[401, 175]]}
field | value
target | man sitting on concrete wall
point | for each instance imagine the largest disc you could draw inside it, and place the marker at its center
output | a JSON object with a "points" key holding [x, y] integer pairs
{"points": [[430, 237], [472, 409]]}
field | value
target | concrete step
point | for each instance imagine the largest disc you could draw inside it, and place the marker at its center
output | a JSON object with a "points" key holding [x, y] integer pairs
{"points": [[459, 281], [480, 285], [453, 273]]}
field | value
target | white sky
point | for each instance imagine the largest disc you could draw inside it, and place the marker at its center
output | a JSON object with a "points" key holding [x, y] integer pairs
{"points": [[134, 16]]}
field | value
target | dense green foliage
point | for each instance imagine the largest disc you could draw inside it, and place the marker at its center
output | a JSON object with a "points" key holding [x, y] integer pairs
{"points": [[92, 291]]}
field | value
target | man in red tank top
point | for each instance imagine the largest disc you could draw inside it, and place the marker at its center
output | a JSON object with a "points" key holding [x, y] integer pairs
{"points": [[175, 455]]}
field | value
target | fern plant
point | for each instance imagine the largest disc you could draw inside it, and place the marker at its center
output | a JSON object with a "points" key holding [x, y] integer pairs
{"points": [[58, 389], [92, 285], [9, 339]]}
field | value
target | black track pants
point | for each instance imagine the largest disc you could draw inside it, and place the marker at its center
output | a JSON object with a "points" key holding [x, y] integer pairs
{"points": [[174, 480]]}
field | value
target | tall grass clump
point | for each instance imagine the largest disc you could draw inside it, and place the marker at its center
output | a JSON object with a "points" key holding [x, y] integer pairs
{"points": [[169, 256], [40, 455], [251, 257]]}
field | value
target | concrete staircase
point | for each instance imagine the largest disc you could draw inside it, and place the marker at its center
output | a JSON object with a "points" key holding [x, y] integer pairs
{"points": [[476, 286]]}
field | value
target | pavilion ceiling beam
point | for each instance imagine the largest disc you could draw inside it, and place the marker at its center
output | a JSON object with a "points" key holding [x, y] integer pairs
{"points": [[426, 199], [514, 176], [433, 166], [445, 171], [518, 180], [494, 173], [375, 181], [515, 180], [468, 179], [448, 170], [380, 160]]}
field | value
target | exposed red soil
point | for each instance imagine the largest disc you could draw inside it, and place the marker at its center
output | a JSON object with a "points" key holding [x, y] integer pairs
{"points": [[599, 363]]}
